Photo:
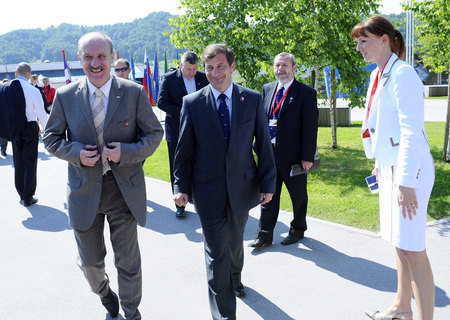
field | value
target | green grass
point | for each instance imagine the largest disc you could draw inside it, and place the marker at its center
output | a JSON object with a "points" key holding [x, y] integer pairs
{"points": [[437, 98], [338, 191]]}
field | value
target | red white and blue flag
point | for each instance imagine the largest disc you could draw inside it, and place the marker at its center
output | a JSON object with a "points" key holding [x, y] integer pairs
{"points": [[155, 75], [66, 69], [133, 73], [148, 79]]}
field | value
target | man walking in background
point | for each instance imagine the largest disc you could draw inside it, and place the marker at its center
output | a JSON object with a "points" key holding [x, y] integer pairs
{"points": [[293, 122], [174, 86], [49, 91], [122, 68], [28, 108]]}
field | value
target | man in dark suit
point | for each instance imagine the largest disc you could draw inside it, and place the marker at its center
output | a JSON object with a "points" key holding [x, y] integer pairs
{"points": [[105, 128], [292, 113], [214, 162], [174, 86], [27, 108], [5, 117]]}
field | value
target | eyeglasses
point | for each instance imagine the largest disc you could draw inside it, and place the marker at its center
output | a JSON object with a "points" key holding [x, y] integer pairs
{"points": [[121, 69]]}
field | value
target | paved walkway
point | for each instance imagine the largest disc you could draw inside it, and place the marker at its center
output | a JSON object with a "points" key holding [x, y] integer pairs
{"points": [[336, 272]]}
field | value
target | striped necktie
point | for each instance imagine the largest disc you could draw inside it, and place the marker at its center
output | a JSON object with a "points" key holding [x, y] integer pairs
{"points": [[98, 114]]}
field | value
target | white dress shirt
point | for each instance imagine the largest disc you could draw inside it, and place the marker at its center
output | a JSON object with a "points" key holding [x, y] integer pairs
{"points": [[34, 105], [106, 88]]}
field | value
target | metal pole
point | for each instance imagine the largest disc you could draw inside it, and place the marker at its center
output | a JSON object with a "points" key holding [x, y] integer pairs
{"points": [[409, 36]]}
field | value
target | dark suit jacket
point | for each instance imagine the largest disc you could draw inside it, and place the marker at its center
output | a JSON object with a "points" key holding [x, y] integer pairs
{"points": [[12, 109], [296, 137], [170, 99], [44, 98], [129, 120], [215, 171]]}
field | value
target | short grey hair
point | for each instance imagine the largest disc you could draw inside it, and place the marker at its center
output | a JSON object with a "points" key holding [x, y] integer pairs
{"points": [[284, 54], [190, 57]]}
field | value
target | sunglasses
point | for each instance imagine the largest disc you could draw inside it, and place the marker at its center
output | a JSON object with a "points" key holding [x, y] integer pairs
{"points": [[121, 69]]}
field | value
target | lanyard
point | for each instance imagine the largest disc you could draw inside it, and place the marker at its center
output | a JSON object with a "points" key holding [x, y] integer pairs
{"points": [[278, 106], [374, 89], [366, 133]]}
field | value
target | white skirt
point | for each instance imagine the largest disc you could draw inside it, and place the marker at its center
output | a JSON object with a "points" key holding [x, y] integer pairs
{"points": [[404, 233]]}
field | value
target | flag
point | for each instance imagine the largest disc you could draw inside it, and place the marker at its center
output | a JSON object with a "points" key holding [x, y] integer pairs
{"points": [[133, 74], [148, 79], [66, 69], [178, 62], [155, 75], [165, 61], [118, 56]]}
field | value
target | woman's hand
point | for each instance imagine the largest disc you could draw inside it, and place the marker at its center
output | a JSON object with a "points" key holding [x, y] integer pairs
{"points": [[408, 201], [375, 172]]}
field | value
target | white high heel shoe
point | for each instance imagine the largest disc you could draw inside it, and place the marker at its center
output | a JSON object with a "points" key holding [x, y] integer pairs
{"points": [[405, 315]]}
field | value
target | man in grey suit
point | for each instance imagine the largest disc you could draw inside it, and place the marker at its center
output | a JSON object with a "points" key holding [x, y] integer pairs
{"points": [[214, 162], [105, 128]]}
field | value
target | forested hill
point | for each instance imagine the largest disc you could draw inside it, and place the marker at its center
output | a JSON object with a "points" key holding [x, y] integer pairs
{"points": [[37, 45]]}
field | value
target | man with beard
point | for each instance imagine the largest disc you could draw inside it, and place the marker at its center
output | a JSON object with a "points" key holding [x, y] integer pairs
{"points": [[292, 113]]}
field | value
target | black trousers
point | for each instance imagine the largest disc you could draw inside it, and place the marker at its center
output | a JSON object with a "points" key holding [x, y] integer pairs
{"points": [[171, 147], [296, 187], [3, 144], [25, 155]]}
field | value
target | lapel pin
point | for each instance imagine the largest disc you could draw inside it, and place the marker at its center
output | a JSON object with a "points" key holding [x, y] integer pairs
{"points": [[125, 124], [242, 99], [117, 97]]}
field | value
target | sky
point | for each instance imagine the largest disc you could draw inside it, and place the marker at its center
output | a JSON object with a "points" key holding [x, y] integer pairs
{"points": [[30, 14]]}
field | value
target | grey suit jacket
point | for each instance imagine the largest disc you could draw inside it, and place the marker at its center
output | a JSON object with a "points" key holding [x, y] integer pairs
{"points": [[212, 170], [129, 120]]}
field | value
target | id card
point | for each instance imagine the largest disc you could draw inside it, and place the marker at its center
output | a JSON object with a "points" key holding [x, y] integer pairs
{"points": [[372, 183]]}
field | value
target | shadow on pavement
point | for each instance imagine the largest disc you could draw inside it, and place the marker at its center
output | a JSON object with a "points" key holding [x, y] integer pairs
{"points": [[263, 306], [163, 220], [44, 218]]}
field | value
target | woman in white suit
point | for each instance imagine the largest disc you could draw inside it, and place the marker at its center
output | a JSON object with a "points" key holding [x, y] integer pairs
{"points": [[393, 133]]}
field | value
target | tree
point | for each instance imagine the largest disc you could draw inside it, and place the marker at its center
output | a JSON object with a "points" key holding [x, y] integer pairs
{"points": [[316, 32], [434, 42]]}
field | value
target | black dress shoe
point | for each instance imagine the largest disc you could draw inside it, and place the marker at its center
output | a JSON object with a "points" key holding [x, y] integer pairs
{"points": [[31, 202], [240, 290], [180, 212], [260, 242], [111, 303], [293, 237], [4, 153]]}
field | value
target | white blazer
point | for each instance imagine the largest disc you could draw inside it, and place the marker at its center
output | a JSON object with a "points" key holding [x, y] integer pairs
{"points": [[396, 121]]}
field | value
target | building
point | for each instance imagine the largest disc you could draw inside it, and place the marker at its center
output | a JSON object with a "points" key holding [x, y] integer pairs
{"points": [[55, 71]]}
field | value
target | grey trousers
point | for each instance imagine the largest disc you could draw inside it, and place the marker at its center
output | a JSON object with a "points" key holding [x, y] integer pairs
{"points": [[124, 240]]}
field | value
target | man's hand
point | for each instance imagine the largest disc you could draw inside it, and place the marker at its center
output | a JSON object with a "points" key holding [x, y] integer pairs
{"points": [[89, 155], [265, 198], [307, 165], [112, 151], [181, 199]]}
